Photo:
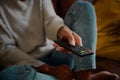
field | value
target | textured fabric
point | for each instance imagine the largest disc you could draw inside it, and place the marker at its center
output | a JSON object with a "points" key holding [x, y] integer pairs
{"points": [[23, 72], [81, 18], [57, 58], [24, 27], [108, 19]]}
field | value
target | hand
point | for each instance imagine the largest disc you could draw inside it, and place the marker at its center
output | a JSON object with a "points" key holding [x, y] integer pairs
{"points": [[72, 37], [61, 72]]}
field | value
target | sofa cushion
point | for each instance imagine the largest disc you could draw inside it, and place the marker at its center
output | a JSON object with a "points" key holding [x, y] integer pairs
{"points": [[108, 20]]}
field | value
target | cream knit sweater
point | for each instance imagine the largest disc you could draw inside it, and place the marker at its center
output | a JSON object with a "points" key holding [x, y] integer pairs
{"points": [[24, 28]]}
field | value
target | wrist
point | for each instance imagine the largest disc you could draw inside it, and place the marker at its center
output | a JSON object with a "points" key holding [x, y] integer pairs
{"points": [[61, 30]]}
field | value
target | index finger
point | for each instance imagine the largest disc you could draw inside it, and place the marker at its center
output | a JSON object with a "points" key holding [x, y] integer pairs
{"points": [[78, 39]]}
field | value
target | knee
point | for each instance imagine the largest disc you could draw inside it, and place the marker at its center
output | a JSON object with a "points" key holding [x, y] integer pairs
{"points": [[83, 6]]}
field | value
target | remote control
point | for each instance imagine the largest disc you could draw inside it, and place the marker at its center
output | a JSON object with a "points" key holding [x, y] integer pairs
{"points": [[77, 49]]}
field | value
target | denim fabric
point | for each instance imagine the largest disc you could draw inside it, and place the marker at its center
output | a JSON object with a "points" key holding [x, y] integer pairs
{"points": [[81, 19], [23, 72], [57, 58]]}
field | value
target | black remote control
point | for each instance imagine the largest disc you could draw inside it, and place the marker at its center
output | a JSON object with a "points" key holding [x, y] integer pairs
{"points": [[77, 49]]}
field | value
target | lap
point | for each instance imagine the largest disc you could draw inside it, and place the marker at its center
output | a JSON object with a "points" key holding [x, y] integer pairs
{"points": [[23, 72], [57, 58], [73, 61]]}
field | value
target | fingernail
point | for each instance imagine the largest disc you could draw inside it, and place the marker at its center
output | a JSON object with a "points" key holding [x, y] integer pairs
{"points": [[72, 43]]}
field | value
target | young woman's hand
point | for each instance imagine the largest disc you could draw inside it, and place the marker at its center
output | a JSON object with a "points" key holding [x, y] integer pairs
{"points": [[72, 37]]}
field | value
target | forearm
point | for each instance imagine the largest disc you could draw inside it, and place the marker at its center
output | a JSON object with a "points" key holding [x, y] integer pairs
{"points": [[11, 55], [52, 22]]}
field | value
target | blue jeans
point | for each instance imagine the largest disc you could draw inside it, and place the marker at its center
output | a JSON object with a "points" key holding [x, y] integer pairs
{"points": [[81, 19]]}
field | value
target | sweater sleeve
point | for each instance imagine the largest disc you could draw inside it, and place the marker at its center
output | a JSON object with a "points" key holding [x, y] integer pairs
{"points": [[52, 22], [10, 54]]}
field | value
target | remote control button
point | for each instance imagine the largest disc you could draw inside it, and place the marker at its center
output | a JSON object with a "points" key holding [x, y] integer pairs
{"points": [[82, 51]]}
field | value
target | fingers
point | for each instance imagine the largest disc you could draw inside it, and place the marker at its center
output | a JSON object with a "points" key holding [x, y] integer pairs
{"points": [[69, 35], [71, 39], [59, 48], [78, 39], [74, 38], [66, 33]]}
